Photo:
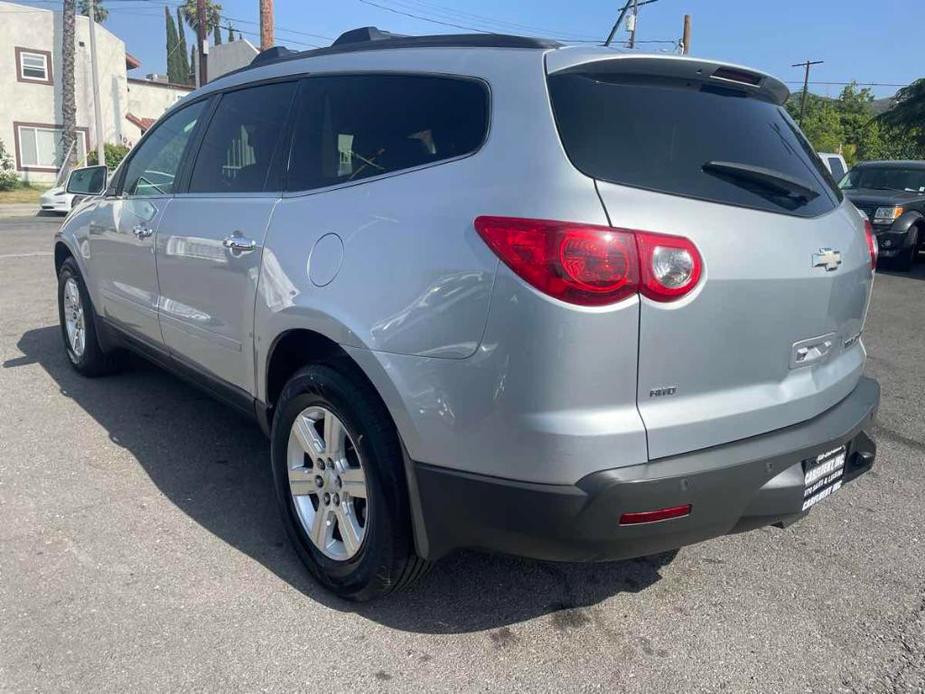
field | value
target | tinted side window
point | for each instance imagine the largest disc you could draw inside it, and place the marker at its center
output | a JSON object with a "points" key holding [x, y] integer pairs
{"points": [[242, 137], [153, 167], [356, 126], [837, 169], [658, 134]]}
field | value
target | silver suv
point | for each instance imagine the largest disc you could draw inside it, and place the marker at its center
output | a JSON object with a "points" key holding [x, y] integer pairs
{"points": [[570, 303]]}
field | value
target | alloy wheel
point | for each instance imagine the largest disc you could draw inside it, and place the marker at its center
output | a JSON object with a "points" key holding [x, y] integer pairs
{"points": [[328, 483]]}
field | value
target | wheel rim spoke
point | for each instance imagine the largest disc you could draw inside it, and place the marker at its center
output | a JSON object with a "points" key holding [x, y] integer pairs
{"points": [[322, 527], [302, 481], [334, 436], [349, 526], [311, 443], [354, 482], [74, 317]]}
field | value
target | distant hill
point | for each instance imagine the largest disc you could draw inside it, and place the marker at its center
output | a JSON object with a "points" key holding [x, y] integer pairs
{"points": [[880, 105]]}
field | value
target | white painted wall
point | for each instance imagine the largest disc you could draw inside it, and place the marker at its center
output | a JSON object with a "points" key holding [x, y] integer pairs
{"points": [[148, 99], [31, 27]]}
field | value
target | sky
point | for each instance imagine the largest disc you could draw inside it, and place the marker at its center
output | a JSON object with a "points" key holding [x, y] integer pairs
{"points": [[858, 39]]}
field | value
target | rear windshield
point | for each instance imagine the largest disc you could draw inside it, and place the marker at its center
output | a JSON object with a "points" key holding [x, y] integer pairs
{"points": [[659, 135]]}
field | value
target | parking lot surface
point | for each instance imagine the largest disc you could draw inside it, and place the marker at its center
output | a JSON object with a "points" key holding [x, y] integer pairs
{"points": [[140, 549]]}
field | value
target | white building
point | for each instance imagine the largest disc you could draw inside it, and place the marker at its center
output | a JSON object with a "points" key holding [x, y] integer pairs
{"points": [[30, 82]]}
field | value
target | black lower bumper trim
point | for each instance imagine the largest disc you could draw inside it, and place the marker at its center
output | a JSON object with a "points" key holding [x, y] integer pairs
{"points": [[734, 487]]}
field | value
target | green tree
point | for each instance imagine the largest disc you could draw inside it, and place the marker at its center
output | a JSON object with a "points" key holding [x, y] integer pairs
{"points": [[907, 113], [213, 15], [823, 128], [100, 12], [230, 33], [184, 61], [175, 56], [114, 155], [8, 177]]}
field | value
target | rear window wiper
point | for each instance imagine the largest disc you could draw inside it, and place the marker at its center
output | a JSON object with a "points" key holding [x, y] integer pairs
{"points": [[766, 178]]}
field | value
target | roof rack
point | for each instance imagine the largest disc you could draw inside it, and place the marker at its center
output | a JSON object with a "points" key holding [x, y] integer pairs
{"points": [[374, 39]]}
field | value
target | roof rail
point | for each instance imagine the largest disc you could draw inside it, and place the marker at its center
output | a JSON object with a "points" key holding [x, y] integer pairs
{"points": [[272, 55], [372, 39], [366, 34]]}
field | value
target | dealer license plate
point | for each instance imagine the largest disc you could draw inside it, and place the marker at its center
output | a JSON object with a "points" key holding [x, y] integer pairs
{"points": [[823, 476]]}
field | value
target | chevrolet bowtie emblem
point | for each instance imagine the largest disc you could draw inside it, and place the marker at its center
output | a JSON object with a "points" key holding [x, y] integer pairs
{"points": [[827, 258]]}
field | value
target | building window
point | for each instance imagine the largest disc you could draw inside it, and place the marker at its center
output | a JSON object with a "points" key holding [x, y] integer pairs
{"points": [[33, 65], [40, 147]]}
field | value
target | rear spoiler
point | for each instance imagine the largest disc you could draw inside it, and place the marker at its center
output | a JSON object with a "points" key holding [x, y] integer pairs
{"points": [[607, 60]]}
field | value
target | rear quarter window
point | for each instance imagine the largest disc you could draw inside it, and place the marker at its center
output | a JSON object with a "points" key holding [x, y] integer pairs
{"points": [[352, 127], [657, 134]]}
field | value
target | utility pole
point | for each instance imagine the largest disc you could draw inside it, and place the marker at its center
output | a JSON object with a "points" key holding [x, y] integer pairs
{"points": [[806, 64], [626, 7], [266, 24], [686, 36], [201, 38], [95, 77], [635, 17]]}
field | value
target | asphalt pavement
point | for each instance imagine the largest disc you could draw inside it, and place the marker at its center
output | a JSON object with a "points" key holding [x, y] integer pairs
{"points": [[140, 550]]}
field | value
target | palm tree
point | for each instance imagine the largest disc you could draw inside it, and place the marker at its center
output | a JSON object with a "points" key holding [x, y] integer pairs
{"points": [[213, 15], [68, 98], [100, 12]]}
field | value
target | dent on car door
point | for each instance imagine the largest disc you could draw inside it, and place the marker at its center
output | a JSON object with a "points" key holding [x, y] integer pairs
{"points": [[123, 234], [211, 237]]}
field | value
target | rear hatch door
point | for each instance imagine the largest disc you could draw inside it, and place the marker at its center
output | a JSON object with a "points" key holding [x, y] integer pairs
{"points": [[769, 337]]}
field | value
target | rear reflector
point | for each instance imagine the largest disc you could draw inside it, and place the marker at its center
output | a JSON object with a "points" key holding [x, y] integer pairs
{"points": [[655, 516], [872, 246]]}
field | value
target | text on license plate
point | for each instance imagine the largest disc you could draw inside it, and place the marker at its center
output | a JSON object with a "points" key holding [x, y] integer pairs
{"points": [[823, 476]]}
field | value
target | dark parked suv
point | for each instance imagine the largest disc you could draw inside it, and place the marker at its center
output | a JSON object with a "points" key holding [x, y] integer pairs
{"points": [[892, 195]]}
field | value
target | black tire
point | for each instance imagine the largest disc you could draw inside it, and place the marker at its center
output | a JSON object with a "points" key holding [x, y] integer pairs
{"points": [[386, 560], [94, 361], [907, 257]]}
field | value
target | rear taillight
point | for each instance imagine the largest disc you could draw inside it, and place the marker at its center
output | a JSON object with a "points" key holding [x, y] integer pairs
{"points": [[671, 265], [593, 265], [871, 244], [578, 263]]}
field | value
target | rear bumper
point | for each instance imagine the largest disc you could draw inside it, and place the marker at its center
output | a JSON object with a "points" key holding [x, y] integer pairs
{"points": [[731, 488]]}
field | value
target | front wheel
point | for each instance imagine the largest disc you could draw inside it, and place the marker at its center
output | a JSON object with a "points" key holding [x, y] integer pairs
{"points": [[340, 483]]}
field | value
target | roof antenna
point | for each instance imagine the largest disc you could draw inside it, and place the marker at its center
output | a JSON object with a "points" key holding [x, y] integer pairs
{"points": [[622, 15]]}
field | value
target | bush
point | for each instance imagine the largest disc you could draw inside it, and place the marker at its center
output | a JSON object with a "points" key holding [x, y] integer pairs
{"points": [[9, 179], [113, 153]]}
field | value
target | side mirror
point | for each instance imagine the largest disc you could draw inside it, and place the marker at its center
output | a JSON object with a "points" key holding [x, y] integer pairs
{"points": [[90, 180]]}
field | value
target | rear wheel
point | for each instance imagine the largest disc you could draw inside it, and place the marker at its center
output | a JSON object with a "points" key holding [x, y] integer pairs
{"points": [[78, 324], [339, 476]]}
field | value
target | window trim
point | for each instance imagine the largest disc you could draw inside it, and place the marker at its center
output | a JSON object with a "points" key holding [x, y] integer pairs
{"points": [[46, 56], [392, 73], [17, 128]]}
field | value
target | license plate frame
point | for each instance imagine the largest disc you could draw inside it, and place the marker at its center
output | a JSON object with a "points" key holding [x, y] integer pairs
{"points": [[823, 475]]}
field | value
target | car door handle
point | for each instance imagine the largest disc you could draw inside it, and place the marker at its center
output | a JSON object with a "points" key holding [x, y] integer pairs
{"points": [[141, 231], [238, 244]]}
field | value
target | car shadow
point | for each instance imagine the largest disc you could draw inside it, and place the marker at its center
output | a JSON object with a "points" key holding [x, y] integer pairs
{"points": [[213, 464], [887, 266]]}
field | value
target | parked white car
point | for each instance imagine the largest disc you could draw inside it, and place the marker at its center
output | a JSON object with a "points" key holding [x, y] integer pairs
{"points": [[56, 199], [835, 163]]}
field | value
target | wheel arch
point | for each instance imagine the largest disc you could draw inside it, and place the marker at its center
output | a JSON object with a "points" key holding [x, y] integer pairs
{"points": [[292, 349], [62, 253]]}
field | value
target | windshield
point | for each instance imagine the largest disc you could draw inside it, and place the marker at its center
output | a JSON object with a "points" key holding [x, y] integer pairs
{"points": [[885, 178], [695, 140]]}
